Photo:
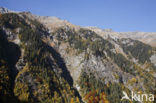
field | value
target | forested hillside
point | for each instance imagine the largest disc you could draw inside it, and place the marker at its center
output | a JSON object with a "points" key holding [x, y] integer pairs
{"points": [[58, 62]]}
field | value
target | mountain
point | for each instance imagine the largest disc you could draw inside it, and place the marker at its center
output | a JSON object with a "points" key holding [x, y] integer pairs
{"points": [[145, 37], [49, 60], [5, 10]]}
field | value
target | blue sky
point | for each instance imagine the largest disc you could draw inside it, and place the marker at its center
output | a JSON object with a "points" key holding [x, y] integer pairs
{"points": [[120, 15]]}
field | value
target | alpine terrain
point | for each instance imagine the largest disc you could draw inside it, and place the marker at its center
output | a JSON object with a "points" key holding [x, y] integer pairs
{"points": [[48, 60]]}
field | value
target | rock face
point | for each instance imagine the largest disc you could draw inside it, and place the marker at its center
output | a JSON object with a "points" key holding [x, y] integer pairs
{"points": [[59, 62], [4, 10], [153, 59]]}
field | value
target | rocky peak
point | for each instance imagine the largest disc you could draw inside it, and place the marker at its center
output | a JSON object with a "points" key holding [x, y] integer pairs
{"points": [[4, 10], [52, 22]]}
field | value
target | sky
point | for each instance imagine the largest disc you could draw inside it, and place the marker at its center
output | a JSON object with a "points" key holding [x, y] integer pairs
{"points": [[119, 15]]}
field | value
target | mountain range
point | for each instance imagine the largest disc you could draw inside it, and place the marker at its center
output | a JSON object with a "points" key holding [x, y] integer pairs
{"points": [[48, 60]]}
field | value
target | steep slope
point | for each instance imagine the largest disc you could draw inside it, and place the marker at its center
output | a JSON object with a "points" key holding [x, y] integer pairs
{"points": [[109, 60], [95, 63], [48, 60], [37, 71]]}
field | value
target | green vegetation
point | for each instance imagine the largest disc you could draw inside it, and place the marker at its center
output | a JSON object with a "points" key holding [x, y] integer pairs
{"points": [[139, 50], [37, 81], [121, 61], [44, 77], [84, 39], [92, 88]]}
